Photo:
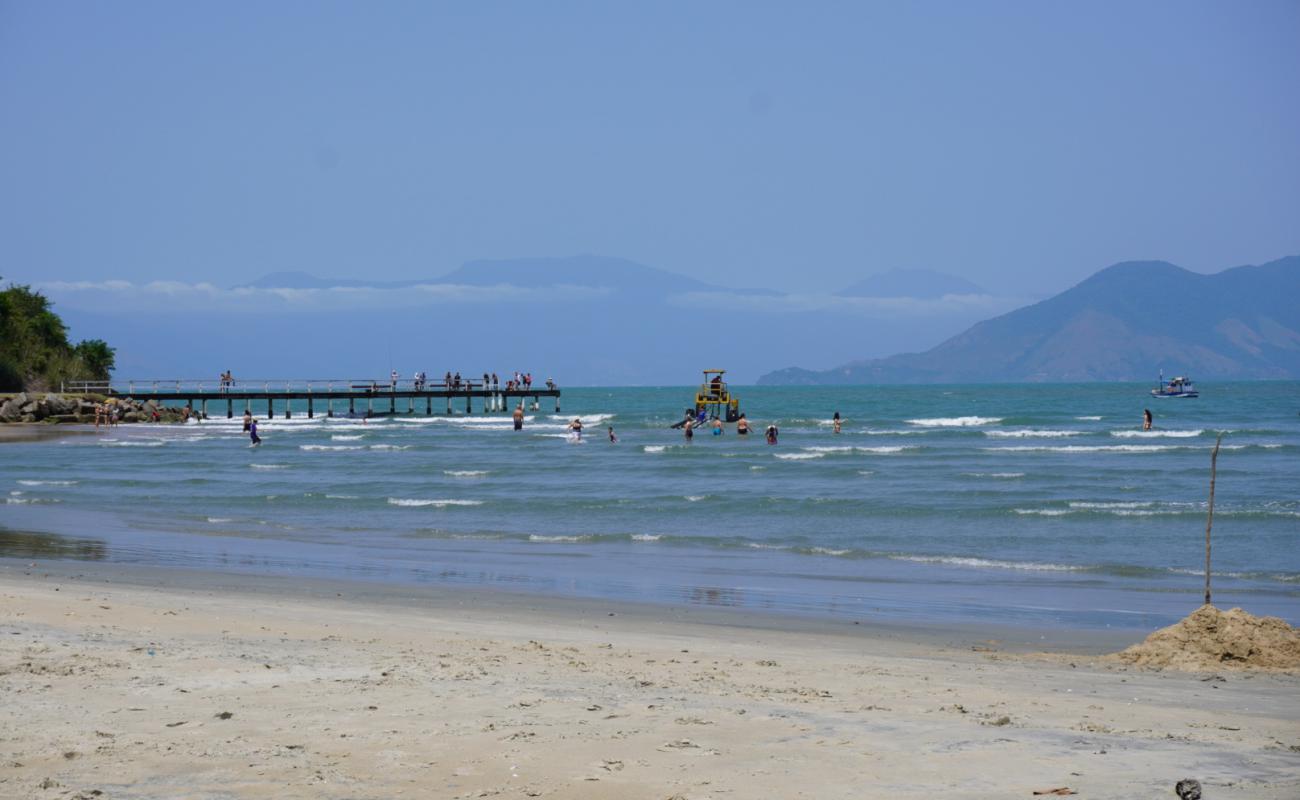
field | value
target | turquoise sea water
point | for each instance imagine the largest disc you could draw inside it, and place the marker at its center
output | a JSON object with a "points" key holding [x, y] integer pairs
{"points": [[1017, 504]]}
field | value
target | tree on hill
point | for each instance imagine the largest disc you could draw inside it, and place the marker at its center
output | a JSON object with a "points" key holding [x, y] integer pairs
{"points": [[34, 348]]}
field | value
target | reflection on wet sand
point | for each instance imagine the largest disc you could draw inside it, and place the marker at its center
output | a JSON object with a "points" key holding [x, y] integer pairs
{"points": [[22, 544]]}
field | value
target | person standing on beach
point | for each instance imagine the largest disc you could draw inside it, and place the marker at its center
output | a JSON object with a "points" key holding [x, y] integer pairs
{"points": [[518, 417], [835, 422], [252, 433], [1146, 419]]}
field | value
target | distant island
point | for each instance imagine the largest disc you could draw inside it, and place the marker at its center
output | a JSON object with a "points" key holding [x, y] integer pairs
{"points": [[1122, 324]]}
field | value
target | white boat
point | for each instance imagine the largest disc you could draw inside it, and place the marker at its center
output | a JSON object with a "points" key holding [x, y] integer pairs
{"points": [[1179, 386]]}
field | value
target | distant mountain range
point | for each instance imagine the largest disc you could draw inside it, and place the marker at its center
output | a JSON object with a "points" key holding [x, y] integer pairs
{"points": [[588, 271], [584, 320], [1123, 323]]}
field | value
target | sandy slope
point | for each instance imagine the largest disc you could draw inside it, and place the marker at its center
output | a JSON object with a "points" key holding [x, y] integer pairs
{"points": [[121, 689]]}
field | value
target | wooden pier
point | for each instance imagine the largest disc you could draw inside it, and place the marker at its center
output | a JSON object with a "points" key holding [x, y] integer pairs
{"points": [[365, 398]]}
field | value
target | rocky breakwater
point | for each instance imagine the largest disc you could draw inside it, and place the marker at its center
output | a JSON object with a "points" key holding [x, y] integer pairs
{"points": [[56, 408]]}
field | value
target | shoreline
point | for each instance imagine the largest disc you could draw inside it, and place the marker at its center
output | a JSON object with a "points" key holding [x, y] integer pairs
{"points": [[127, 681], [525, 607]]}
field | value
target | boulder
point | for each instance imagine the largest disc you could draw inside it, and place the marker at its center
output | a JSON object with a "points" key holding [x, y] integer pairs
{"points": [[59, 404]]}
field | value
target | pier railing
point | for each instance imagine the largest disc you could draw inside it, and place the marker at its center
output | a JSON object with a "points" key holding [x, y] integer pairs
{"points": [[201, 386]]}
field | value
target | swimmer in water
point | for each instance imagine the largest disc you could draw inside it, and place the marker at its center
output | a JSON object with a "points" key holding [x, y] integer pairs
{"points": [[248, 420], [717, 427], [835, 422], [575, 428], [612, 438], [252, 433], [771, 434], [689, 429], [1146, 419], [742, 426], [518, 417]]}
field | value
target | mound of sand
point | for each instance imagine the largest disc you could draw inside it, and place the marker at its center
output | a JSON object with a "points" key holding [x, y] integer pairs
{"points": [[1212, 639]]}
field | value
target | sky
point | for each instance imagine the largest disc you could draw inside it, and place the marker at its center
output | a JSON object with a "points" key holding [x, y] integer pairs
{"points": [[799, 147]]}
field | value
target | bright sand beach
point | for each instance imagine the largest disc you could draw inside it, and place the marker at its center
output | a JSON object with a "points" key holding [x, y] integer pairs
{"points": [[149, 683]]}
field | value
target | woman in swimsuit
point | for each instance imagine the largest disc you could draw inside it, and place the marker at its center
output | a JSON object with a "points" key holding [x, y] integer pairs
{"points": [[742, 426]]}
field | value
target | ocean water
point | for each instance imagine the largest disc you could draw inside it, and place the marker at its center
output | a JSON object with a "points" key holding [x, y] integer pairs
{"points": [[1015, 504]]}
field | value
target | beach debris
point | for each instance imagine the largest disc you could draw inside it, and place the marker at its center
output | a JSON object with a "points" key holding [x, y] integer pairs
{"points": [[177, 724], [999, 722], [1060, 790], [225, 715], [1209, 639], [1188, 789], [680, 744]]}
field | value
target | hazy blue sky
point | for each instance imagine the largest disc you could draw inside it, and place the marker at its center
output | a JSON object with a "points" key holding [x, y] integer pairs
{"points": [[1020, 145]]}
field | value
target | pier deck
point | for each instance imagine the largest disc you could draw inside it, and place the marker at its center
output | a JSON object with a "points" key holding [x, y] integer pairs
{"points": [[378, 397]]}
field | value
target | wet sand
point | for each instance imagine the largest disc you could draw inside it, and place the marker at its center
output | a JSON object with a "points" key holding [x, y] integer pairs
{"points": [[40, 432], [165, 683]]}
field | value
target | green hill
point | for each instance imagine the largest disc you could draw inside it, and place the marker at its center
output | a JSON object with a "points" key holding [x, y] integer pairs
{"points": [[34, 350]]}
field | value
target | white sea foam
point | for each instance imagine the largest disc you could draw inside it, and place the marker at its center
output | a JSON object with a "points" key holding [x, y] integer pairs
{"points": [[341, 497], [1031, 434], [828, 551], [411, 503], [655, 448], [347, 437], [268, 466], [1162, 434], [1043, 512], [962, 561], [47, 483], [1106, 505], [1079, 448], [331, 447], [799, 456], [764, 546], [828, 449], [884, 451], [587, 419], [646, 537], [219, 520], [897, 432], [865, 472], [534, 537], [994, 474], [953, 422], [390, 447], [132, 443], [465, 473], [29, 501], [695, 498], [757, 468], [1088, 419]]}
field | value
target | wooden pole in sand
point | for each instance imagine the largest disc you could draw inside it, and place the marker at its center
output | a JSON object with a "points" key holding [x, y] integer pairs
{"points": [[1209, 520]]}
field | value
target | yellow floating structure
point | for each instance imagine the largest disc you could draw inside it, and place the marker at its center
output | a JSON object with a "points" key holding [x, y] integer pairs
{"points": [[715, 399]]}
